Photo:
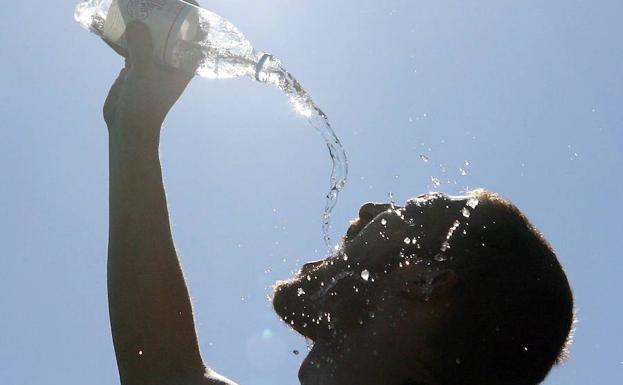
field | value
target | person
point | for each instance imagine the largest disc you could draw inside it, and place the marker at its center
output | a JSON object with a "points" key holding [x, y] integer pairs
{"points": [[442, 291]]}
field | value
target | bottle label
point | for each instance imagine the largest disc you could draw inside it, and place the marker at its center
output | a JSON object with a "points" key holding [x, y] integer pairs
{"points": [[163, 18]]}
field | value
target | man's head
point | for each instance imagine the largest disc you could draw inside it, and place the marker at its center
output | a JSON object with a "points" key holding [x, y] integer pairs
{"points": [[446, 290]]}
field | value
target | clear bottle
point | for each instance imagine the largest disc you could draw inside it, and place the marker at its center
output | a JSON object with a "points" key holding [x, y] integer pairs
{"points": [[196, 40], [185, 36]]}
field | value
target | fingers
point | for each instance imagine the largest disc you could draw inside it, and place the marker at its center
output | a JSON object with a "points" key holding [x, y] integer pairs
{"points": [[140, 46]]}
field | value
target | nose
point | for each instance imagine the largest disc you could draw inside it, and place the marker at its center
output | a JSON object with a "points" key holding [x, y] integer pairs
{"points": [[370, 210]]}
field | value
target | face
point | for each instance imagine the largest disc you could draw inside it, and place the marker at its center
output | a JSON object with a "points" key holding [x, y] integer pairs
{"points": [[376, 287]]}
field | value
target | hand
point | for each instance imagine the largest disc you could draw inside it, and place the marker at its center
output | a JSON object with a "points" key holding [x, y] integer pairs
{"points": [[144, 91]]}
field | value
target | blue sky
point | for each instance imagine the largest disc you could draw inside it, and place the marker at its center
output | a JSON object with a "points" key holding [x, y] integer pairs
{"points": [[528, 92]]}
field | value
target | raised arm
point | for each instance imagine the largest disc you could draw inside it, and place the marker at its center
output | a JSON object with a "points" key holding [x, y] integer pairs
{"points": [[150, 310]]}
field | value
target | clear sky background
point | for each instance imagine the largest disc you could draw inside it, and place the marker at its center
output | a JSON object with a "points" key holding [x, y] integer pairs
{"points": [[529, 92]]}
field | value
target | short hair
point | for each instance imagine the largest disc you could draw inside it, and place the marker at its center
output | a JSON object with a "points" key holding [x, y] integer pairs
{"points": [[516, 305]]}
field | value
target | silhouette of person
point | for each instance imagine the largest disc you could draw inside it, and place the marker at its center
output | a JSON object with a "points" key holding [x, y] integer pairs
{"points": [[441, 291]]}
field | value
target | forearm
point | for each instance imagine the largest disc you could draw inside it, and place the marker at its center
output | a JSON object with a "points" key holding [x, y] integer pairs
{"points": [[150, 310]]}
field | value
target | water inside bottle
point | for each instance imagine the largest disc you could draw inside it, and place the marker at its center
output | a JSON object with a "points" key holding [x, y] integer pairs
{"points": [[222, 51]]}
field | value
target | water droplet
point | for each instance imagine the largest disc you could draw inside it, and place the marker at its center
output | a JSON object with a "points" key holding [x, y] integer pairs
{"points": [[407, 240], [452, 229], [462, 171], [445, 246], [300, 291], [473, 202], [424, 158], [371, 314], [392, 201], [365, 274], [441, 257], [345, 257], [435, 181], [466, 213], [384, 222], [140, 352]]}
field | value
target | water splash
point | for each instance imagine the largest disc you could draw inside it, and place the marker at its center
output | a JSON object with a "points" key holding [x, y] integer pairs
{"points": [[435, 181], [269, 70], [392, 200], [212, 47], [365, 275], [466, 213], [473, 202], [446, 244]]}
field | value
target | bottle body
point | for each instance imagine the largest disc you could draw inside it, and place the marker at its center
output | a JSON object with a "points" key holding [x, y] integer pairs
{"points": [[184, 36]]}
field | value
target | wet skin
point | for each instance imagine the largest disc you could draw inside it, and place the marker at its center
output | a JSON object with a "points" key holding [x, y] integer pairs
{"points": [[357, 300]]}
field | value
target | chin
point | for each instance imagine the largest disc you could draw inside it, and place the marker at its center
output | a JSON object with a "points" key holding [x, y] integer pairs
{"points": [[294, 309]]}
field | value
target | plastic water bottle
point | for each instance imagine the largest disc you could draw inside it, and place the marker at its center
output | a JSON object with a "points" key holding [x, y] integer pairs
{"points": [[198, 41]]}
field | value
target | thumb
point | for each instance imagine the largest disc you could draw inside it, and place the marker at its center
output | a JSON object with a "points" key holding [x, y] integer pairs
{"points": [[140, 46]]}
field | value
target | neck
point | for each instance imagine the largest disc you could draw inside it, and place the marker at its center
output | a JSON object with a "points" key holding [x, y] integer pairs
{"points": [[327, 364]]}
